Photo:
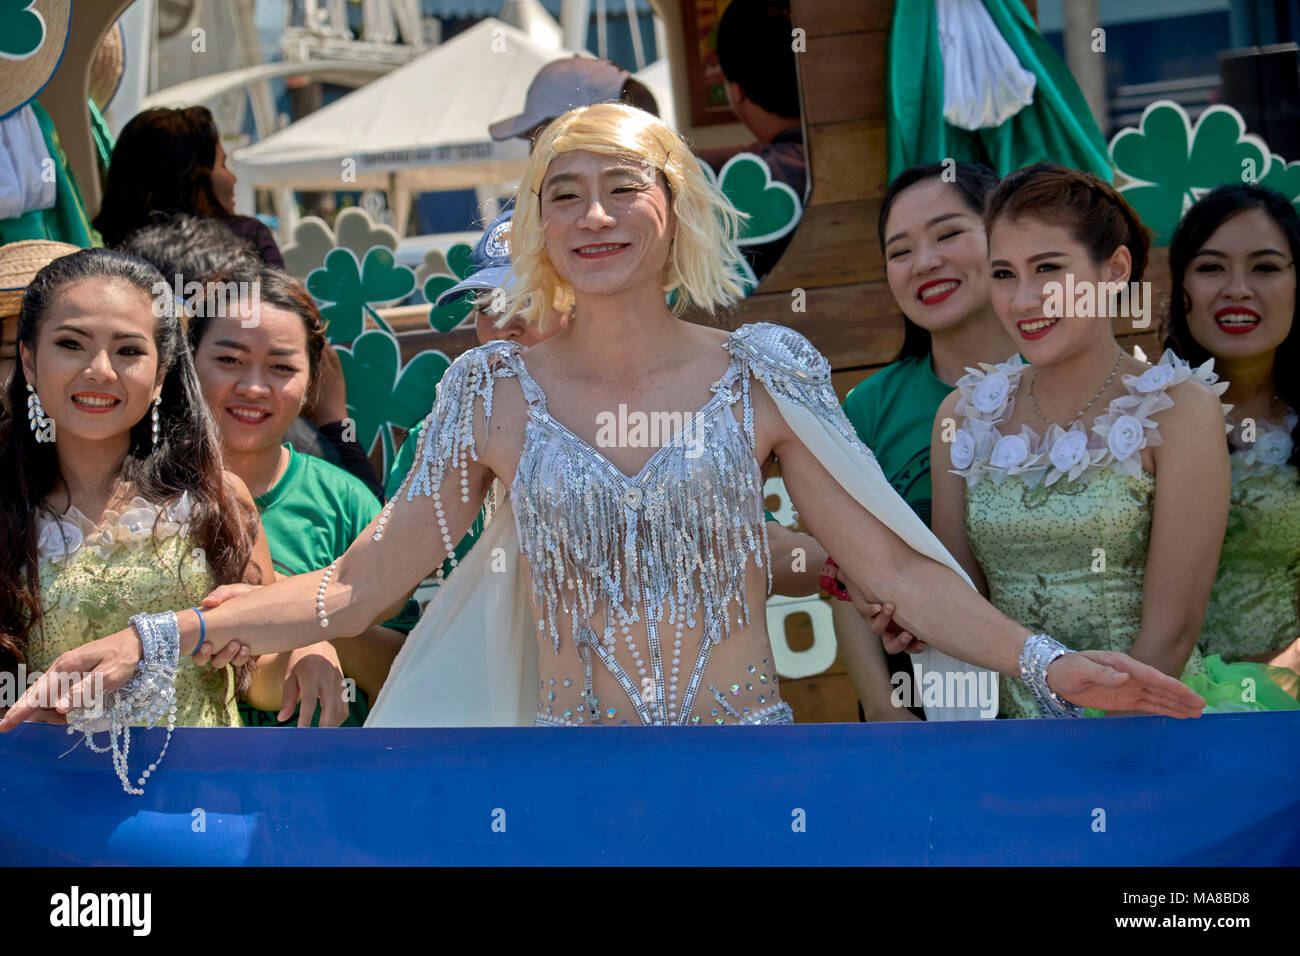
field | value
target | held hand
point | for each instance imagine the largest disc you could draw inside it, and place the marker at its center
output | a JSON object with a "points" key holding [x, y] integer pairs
{"points": [[893, 637], [314, 673], [112, 659], [880, 618], [1112, 681], [233, 653]]}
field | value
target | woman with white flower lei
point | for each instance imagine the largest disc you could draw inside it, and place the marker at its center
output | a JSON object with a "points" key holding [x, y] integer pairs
{"points": [[1233, 266], [113, 502], [1064, 486], [613, 213]]}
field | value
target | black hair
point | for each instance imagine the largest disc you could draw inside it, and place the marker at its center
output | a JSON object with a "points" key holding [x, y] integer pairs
{"points": [[755, 52], [635, 93], [187, 459], [1197, 225], [973, 183], [162, 161], [193, 247]]}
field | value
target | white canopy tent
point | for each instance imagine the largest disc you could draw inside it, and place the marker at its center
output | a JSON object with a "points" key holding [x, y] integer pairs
{"points": [[421, 128]]}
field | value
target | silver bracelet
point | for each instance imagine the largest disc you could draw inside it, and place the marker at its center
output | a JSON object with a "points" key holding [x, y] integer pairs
{"points": [[1035, 657], [144, 699]]}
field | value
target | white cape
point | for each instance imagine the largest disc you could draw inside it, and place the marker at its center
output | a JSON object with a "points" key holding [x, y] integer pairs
{"points": [[472, 659]]}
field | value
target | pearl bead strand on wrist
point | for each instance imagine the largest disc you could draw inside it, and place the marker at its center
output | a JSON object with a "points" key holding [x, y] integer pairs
{"points": [[320, 593]]}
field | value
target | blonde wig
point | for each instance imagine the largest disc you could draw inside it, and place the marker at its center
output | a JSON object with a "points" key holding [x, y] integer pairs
{"points": [[702, 258]]}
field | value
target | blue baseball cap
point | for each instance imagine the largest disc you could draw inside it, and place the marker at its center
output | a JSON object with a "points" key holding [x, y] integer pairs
{"points": [[490, 258]]}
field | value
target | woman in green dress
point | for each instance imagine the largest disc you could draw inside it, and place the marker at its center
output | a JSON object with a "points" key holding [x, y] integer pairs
{"points": [[1232, 261], [112, 494], [1067, 489]]}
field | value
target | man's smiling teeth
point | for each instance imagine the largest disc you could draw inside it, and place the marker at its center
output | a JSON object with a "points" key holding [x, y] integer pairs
{"points": [[96, 402], [937, 290], [1037, 326]]}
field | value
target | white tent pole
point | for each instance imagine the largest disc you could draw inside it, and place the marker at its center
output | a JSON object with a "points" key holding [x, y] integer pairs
{"points": [[286, 209], [260, 91], [602, 43], [634, 24], [401, 207], [575, 15], [137, 32], [245, 198], [338, 19]]}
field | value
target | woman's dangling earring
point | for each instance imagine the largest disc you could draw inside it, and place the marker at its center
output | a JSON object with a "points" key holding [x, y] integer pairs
{"points": [[36, 415], [156, 402]]}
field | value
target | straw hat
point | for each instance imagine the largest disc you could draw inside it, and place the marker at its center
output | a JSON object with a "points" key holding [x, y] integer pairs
{"points": [[19, 263], [106, 67], [32, 40]]}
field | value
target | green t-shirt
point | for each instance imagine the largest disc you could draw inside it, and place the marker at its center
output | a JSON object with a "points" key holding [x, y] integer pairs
{"points": [[893, 412], [311, 516], [397, 474]]}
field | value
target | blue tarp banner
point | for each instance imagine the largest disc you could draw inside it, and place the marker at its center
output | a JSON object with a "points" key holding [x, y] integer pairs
{"points": [[1111, 791]]}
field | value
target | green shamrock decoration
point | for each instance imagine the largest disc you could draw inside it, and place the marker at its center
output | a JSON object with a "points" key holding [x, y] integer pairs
{"points": [[459, 260], [444, 318], [1174, 163], [22, 31], [773, 207], [382, 393], [351, 290], [1285, 178]]}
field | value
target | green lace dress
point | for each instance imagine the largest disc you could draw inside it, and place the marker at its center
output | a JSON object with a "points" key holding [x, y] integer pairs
{"points": [[94, 578], [1253, 606], [1061, 523]]}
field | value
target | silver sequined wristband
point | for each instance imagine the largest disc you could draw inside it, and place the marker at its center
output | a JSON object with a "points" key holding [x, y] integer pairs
{"points": [[1035, 657], [150, 694], [145, 699]]}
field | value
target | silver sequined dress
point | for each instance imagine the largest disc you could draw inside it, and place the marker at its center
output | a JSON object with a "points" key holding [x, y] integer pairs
{"points": [[667, 548]]}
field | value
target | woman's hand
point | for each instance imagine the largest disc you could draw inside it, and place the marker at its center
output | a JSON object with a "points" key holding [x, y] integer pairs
{"points": [[313, 673], [233, 653], [112, 659], [1112, 681], [880, 618]]}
